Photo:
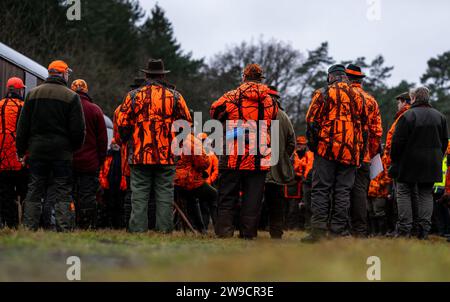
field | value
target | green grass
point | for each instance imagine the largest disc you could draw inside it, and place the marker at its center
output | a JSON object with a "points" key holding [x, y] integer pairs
{"points": [[118, 256]]}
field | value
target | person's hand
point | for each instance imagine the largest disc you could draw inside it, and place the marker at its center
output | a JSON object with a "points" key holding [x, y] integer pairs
{"points": [[22, 160]]}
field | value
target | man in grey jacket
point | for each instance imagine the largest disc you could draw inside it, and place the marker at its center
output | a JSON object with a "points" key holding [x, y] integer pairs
{"points": [[280, 174]]}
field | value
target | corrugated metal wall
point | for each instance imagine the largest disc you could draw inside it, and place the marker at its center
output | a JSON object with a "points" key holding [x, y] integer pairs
{"points": [[8, 70]]}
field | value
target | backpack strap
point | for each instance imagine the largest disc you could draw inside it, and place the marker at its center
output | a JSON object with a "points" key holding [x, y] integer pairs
{"points": [[176, 100]]}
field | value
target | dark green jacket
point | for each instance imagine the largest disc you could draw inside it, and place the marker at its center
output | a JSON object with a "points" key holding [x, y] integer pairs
{"points": [[51, 125], [283, 172]]}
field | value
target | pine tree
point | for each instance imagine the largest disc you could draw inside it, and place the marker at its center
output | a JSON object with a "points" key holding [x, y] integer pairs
{"points": [[158, 42]]}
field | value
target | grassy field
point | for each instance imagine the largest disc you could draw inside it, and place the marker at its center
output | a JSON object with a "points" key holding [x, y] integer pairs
{"points": [[118, 256]]}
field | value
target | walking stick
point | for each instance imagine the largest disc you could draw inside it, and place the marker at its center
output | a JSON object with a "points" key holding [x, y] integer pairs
{"points": [[183, 216]]}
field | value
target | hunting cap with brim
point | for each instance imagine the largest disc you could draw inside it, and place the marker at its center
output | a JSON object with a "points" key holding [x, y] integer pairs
{"points": [[58, 66], [336, 68], [302, 140], [404, 96], [155, 67], [354, 71], [15, 83]]}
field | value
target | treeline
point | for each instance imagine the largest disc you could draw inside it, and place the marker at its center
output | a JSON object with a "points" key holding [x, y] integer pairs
{"points": [[107, 48]]}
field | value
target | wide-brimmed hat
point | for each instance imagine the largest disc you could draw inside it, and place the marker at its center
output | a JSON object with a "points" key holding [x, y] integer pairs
{"points": [[155, 67], [336, 68], [354, 71]]}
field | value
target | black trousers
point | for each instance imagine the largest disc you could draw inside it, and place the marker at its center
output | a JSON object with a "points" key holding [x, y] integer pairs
{"points": [[276, 203], [201, 205], [331, 188], [48, 206], [358, 201], [291, 214], [13, 184], [307, 188], [85, 191], [40, 174], [231, 182]]}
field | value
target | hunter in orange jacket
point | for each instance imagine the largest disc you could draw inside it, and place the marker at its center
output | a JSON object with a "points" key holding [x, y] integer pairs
{"points": [[403, 106], [191, 169], [148, 129], [10, 108], [252, 104], [249, 102], [213, 169], [105, 169], [335, 121], [336, 131], [13, 178], [304, 164], [379, 187]]}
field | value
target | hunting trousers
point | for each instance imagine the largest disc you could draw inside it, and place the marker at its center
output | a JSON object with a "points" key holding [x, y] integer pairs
{"points": [[330, 197], [12, 185], [40, 174], [358, 201], [415, 205], [143, 179], [85, 191], [231, 182]]}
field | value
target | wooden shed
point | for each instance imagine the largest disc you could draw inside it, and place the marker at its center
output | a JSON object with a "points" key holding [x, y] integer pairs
{"points": [[15, 64]]}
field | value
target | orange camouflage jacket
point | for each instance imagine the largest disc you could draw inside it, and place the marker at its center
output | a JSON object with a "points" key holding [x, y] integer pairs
{"points": [[379, 187], [124, 148], [145, 123], [250, 102], [374, 127], [335, 121], [192, 168], [302, 166], [390, 134], [10, 108], [213, 169]]}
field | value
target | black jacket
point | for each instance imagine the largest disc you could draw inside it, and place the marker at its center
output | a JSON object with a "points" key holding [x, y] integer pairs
{"points": [[419, 145], [51, 125]]}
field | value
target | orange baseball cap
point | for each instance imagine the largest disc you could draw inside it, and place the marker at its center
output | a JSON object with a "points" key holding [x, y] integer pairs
{"points": [[58, 66], [302, 140], [16, 83]]}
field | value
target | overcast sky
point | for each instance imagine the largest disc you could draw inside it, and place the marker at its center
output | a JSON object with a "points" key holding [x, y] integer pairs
{"points": [[407, 34]]}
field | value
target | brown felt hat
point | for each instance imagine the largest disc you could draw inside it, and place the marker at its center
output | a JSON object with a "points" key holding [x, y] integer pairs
{"points": [[155, 67]]}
